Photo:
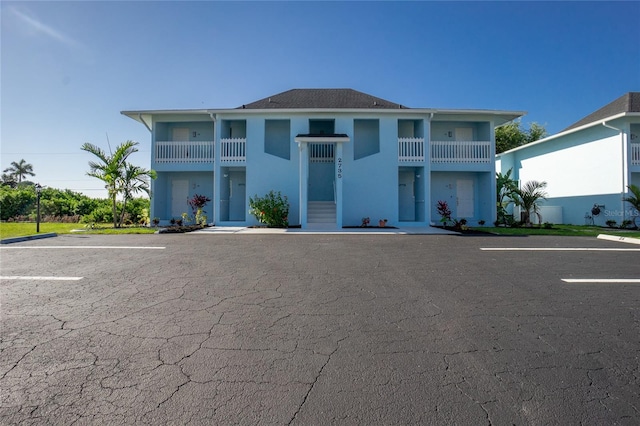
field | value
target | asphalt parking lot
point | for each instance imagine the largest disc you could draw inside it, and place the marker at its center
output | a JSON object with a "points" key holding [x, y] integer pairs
{"points": [[320, 329]]}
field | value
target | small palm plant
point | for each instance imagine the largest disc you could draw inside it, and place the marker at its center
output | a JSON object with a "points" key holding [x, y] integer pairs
{"points": [[528, 197], [505, 187], [634, 200]]}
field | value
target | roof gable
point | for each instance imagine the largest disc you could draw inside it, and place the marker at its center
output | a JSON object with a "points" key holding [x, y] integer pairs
{"points": [[629, 102], [322, 99]]}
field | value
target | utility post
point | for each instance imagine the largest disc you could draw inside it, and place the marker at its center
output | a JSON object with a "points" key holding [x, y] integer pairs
{"points": [[38, 190]]}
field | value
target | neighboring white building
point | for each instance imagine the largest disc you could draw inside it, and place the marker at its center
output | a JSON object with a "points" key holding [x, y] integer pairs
{"points": [[338, 155], [588, 164]]}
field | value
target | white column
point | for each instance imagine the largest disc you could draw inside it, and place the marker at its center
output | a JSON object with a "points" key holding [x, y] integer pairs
{"points": [[426, 175], [217, 176], [303, 150], [339, 162], [494, 191]]}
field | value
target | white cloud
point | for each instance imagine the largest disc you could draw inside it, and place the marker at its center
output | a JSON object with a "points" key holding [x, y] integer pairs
{"points": [[42, 28]]}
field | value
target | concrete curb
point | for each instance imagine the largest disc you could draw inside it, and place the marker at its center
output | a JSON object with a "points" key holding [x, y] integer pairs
{"points": [[630, 240], [28, 238], [324, 231]]}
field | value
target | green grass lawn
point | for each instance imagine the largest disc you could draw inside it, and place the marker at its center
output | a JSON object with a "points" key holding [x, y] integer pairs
{"points": [[566, 230], [22, 229], [12, 229]]}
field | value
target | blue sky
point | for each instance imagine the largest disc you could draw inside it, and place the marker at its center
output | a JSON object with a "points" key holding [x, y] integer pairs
{"points": [[69, 68]]}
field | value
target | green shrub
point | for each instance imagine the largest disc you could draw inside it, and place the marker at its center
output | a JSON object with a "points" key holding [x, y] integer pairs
{"points": [[272, 209], [16, 202], [102, 214]]}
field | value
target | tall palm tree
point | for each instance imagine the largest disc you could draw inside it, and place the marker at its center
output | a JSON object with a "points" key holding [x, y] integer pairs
{"points": [[528, 197], [134, 179], [20, 169], [110, 169], [634, 200]]}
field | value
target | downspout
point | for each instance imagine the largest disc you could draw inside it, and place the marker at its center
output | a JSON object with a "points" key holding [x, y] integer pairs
{"points": [[215, 172], [152, 181], [624, 168], [426, 192]]}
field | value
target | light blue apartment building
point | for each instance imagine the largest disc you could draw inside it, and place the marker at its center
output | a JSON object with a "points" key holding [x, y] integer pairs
{"points": [[337, 154], [588, 166]]}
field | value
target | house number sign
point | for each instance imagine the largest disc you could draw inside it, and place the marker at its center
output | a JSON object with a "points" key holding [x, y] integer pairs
{"points": [[339, 167]]}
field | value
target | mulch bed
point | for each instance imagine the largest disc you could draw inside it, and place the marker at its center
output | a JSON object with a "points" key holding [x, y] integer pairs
{"points": [[179, 229], [369, 227]]}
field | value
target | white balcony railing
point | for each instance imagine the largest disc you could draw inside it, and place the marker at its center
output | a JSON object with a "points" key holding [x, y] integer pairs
{"points": [[233, 150], [410, 149], [635, 154], [461, 152], [183, 152], [321, 152]]}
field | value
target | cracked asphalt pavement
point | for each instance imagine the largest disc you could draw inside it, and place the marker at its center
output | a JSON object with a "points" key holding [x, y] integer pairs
{"points": [[318, 329]]}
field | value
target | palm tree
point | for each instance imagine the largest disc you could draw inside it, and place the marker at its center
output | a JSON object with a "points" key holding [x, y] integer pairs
{"points": [[110, 169], [134, 179], [634, 200], [528, 198], [505, 187], [8, 180], [20, 170]]}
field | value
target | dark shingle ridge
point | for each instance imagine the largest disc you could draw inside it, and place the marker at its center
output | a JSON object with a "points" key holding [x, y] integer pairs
{"points": [[629, 102], [322, 99]]}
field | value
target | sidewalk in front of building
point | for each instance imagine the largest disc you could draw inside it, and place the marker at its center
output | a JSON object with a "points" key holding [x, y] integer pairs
{"points": [[319, 229]]}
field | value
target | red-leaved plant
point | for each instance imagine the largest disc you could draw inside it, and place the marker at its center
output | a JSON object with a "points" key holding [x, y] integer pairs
{"points": [[444, 211]]}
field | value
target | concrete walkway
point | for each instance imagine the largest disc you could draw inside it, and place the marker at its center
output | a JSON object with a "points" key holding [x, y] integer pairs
{"points": [[319, 229]]}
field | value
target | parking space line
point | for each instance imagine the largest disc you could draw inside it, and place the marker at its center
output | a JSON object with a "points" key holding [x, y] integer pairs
{"points": [[619, 239], [602, 280], [81, 247], [22, 277], [555, 249]]}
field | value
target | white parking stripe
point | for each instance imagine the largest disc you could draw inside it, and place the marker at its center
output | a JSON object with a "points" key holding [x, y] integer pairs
{"points": [[555, 249], [22, 277], [602, 280], [619, 239], [81, 247]]}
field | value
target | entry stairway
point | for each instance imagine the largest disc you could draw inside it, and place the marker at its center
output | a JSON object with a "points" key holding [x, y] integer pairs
{"points": [[321, 212]]}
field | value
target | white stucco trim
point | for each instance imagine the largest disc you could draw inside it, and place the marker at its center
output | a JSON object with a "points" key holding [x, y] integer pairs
{"points": [[568, 132], [434, 113], [321, 139]]}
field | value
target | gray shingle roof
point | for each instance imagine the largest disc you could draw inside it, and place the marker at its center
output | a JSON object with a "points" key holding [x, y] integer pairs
{"points": [[322, 99], [629, 102]]}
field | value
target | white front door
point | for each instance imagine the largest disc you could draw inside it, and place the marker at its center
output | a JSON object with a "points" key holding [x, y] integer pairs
{"points": [[406, 196], [464, 199], [464, 134], [237, 196], [180, 134], [179, 197]]}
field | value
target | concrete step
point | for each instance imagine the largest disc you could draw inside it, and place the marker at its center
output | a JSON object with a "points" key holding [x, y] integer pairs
{"points": [[321, 212]]}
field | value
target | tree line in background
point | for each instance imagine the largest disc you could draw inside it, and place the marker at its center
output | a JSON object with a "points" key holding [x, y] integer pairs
{"points": [[513, 135], [64, 205], [18, 198]]}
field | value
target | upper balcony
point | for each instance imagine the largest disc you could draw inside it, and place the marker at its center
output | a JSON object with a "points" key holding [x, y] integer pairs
{"points": [[233, 150], [410, 149], [443, 152], [202, 152], [461, 152], [183, 152], [634, 154]]}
